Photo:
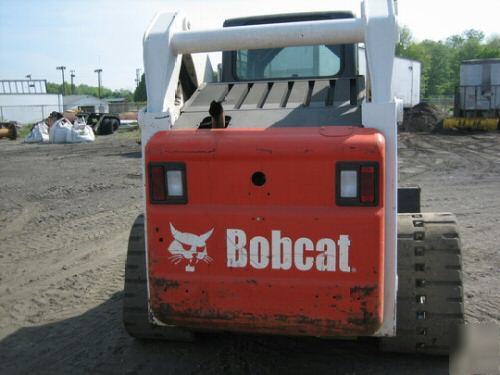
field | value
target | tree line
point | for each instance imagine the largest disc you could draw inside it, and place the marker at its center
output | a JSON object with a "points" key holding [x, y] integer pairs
{"points": [[440, 64], [441, 60], [83, 89]]}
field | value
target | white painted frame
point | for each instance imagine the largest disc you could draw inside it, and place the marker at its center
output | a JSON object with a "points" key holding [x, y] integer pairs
{"points": [[167, 38]]}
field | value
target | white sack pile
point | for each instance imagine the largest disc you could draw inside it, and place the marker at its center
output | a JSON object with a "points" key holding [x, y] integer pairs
{"points": [[62, 131], [39, 134]]}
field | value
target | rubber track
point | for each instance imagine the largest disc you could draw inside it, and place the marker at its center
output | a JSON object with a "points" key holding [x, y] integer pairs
{"points": [[430, 292], [135, 300]]}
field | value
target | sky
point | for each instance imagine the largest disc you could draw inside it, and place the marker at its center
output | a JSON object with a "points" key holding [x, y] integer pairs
{"points": [[83, 35]]}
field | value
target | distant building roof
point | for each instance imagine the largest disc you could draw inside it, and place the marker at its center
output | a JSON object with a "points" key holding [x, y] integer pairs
{"points": [[116, 100], [72, 101], [481, 61]]}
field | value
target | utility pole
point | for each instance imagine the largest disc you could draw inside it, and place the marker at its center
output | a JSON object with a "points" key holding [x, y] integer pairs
{"points": [[98, 71], [61, 68], [72, 82], [137, 77], [30, 85]]}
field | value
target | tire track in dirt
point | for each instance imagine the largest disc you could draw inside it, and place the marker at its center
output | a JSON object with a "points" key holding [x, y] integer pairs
{"points": [[68, 319], [458, 155], [467, 183]]}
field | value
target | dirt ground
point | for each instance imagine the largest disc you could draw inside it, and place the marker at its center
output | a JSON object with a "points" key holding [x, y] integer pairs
{"points": [[65, 214]]}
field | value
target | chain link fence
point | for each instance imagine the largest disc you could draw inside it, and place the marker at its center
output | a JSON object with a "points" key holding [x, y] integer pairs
{"points": [[29, 114]]}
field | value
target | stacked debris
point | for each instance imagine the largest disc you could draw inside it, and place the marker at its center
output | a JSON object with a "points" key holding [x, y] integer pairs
{"points": [[424, 117]]}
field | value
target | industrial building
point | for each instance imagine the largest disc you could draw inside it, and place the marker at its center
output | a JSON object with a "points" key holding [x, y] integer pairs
{"points": [[85, 103], [118, 105], [27, 101], [479, 92]]}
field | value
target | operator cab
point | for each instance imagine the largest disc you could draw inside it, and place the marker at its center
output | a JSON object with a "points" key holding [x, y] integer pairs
{"points": [[282, 87], [289, 63]]}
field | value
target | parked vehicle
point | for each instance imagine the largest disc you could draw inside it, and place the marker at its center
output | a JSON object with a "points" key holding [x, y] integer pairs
{"points": [[101, 123]]}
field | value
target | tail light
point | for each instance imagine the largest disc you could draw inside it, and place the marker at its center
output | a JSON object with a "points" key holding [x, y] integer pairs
{"points": [[167, 182], [367, 185], [157, 182], [357, 184]]}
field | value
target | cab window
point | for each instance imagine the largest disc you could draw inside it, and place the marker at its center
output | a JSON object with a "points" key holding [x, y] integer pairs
{"points": [[289, 62]]}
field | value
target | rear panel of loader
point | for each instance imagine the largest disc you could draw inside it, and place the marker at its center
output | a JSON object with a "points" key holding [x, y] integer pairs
{"points": [[260, 243]]}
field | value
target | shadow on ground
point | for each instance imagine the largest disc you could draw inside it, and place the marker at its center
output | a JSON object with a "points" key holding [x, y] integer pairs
{"points": [[132, 155], [95, 342]]}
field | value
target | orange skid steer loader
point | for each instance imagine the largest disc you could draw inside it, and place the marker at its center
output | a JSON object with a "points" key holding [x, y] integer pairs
{"points": [[278, 212]]}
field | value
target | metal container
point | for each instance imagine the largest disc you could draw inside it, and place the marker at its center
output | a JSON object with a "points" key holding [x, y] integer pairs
{"points": [[479, 90]]}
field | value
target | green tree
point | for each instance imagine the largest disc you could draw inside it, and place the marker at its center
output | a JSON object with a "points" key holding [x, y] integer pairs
{"points": [[140, 94], [441, 60], [53, 88], [405, 41], [82, 89], [469, 45], [492, 48], [440, 80]]}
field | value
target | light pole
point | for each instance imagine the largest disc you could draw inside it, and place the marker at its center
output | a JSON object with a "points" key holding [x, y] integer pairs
{"points": [[61, 68], [72, 82], [30, 85], [137, 77], [98, 71]]}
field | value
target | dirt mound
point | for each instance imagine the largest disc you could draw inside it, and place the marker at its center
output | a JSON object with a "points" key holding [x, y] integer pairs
{"points": [[424, 117]]}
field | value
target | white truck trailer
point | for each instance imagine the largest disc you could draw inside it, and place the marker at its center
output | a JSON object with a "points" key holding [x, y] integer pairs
{"points": [[405, 78]]}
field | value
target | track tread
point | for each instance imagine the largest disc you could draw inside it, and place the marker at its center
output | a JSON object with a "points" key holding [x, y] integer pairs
{"points": [[430, 292], [135, 300]]}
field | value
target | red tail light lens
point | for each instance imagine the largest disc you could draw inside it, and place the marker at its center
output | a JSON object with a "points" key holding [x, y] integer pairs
{"points": [[357, 183], [158, 189], [367, 182], [167, 183]]}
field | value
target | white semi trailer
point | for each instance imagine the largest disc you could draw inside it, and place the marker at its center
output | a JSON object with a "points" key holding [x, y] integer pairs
{"points": [[405, 78]]}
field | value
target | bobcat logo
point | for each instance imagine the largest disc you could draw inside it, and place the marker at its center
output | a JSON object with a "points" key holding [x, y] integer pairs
{"points": [[189, 247]]}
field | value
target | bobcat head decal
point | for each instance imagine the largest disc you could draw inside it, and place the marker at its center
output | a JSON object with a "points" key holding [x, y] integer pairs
{"points": [[189, 248]]}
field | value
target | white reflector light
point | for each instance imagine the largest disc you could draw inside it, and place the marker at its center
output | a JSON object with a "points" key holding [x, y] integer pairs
{"points": [[348, 184], [174, 183]]}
